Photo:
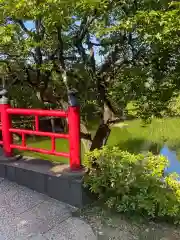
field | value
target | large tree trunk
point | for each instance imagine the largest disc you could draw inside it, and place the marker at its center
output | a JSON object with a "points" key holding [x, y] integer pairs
{"points": [[100, 137], [107, 117], [104, 130]]}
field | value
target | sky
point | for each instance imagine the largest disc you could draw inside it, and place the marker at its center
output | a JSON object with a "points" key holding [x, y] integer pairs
{"points": [[29, 25]]}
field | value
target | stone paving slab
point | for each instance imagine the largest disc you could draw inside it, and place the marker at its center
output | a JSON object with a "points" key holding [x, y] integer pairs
{"points": [[18, 200], [6, 186], [38, 237], [38, 220], [26, 214], [71, 229]]}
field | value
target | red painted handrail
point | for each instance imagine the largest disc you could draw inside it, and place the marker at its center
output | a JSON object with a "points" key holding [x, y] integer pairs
{"points": [[37, 112], [73, 115], [43, 151], [38, 133]]}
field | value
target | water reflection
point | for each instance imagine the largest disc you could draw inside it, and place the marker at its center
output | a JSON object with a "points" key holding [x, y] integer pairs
{"points": [[174, 163]]}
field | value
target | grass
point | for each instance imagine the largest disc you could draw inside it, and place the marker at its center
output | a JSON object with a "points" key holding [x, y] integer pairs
{"points": [[135, 137], [62, 145]]}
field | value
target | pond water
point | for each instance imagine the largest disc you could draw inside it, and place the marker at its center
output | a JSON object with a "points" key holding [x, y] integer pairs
{"points": [[174, 163]]}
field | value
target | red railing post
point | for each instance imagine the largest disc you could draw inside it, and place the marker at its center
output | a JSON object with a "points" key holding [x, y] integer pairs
{"points": [[6, 124], [74, 133]]}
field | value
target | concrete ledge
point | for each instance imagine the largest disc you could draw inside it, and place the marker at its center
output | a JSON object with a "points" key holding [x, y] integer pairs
{"points": [[57, 181]]}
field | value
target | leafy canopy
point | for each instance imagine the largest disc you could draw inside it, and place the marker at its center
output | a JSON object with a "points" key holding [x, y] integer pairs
{"points": [[113, 52]]}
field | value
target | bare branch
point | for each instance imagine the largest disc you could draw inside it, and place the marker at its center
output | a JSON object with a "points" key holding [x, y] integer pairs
{"points": [[38, 38], [110, 60], [91, 49], [52, 56], [107, 43], [82, 32], [113, 55], [23, 27], [11, 73], [28, 77], [82, 52], [60, 47], [85, 24], [86, 136]]}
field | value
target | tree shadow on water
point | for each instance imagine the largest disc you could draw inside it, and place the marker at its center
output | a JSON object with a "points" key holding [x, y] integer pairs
{"points": [[138, 145], [174, 146]]}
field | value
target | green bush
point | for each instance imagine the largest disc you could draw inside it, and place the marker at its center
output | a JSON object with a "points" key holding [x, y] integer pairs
{"points": [[131, 109], [133, 183], [174, 106]]}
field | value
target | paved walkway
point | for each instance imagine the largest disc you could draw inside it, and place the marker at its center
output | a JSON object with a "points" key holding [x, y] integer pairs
{"points": [[25, 214]]}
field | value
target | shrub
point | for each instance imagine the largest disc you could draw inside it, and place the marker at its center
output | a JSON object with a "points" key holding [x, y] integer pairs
{"points": [[131, 109], [174, 106], [133, 183]]}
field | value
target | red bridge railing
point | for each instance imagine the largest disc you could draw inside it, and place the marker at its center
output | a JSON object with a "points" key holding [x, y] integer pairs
{"points": [[72, 115]]}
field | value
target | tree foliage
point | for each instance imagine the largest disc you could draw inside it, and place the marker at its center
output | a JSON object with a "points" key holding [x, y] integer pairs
{"points": [[112, 52], [158, 27]]}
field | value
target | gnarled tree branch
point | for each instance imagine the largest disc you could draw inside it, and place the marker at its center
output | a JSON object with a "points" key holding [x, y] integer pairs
{"points": [[23, 27], [60, 49]]}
